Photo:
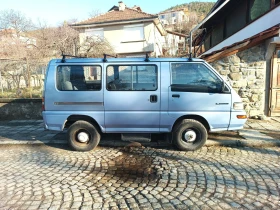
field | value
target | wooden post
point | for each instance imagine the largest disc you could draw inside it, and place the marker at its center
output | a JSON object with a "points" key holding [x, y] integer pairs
{"points": [[29, 78]]}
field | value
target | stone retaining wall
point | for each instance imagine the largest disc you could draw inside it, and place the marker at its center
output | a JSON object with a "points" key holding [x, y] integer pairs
{"points": [[20, 109], [246, 71]]}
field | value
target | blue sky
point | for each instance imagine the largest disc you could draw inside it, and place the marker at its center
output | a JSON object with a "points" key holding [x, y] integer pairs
{"points": [[54, 12]]}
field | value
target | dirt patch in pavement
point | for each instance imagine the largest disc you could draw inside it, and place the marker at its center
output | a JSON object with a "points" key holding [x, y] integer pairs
{"points": [[133, 166], [127, 167]]}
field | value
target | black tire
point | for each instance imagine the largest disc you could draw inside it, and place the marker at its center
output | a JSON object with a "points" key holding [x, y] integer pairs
{"points": [[88, 130], [197, 133]]}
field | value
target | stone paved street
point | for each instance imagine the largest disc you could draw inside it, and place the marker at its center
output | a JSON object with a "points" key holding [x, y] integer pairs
{"points": [[255, 133], [48, 177]]}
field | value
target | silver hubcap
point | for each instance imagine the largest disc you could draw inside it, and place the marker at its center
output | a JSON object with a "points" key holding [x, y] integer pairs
{"points": [[83, 137], [190, 136]]}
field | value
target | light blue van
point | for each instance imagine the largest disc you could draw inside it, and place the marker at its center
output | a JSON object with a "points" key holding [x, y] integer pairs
{"points": [[136, 97]]}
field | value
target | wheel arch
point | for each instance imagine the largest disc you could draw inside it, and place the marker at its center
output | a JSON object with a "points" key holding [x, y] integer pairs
{"points": [[74, 118], [199, 118]]}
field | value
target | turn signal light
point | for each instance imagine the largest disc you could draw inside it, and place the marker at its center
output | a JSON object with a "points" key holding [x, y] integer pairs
{"points": [[241, 116]]}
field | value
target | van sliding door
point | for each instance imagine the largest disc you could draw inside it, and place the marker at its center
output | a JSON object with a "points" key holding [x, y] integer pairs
{"points": [[132, 97]]}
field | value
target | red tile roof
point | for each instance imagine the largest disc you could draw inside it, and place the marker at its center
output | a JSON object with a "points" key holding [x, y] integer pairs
{"points": [[115, 15]]}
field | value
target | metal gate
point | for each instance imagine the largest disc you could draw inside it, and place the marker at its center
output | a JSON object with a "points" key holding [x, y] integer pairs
{"points": [[274, 105]]}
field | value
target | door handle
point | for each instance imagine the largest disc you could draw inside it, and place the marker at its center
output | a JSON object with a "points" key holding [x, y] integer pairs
{"points": [[153, 98], [176, 96]]}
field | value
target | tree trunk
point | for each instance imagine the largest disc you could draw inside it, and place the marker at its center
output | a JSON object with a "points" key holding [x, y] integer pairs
{"points": [[28, 78]]}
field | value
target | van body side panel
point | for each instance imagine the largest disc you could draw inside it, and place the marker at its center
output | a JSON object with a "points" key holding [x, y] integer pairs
{"points": [[129, 111], [59, 105], [53, 121], [202, 104], [165, 121], [169, 119], [136, 96], [187, 99], [56, 120], [236, 123], [132, 121]]}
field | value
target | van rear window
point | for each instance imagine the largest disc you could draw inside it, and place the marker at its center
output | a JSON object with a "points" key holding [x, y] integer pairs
{"points": [[132, 78], [78, 78]]}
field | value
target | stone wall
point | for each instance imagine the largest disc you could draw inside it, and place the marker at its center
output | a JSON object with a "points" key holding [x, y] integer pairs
{"points": [[20, 109], [246, 71]]}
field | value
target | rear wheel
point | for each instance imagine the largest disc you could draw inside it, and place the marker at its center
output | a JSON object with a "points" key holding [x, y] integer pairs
{"points": [[189, 135], [83, 136]]}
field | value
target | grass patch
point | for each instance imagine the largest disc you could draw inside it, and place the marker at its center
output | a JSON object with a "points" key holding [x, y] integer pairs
{"points": [[34, 92]]}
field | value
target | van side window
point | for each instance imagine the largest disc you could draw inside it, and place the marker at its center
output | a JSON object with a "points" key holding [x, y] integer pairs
{"points": [[78, 78], [194, 77], [131, 78]]}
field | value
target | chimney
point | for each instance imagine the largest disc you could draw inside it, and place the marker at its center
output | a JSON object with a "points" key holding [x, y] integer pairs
{"points": [[121, 6]]}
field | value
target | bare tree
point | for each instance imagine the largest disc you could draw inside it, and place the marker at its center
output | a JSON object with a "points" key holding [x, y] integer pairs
{"points": [[28, 51], [94, 13], [12, 19], [17, 46], [95, 47], [52, 42]]}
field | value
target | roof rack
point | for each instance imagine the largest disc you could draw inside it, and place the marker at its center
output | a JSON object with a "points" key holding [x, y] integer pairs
{"points": [[147, 58], [72, 56], [105, 55], [190, 58], [188, 54]]}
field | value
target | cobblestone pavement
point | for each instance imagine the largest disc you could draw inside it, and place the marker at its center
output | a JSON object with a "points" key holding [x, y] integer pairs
{"points": [[44, 177], [257, 133], [273, 124]]}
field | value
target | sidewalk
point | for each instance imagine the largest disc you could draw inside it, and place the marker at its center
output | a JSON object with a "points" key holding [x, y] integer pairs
{"points": [[256, 133]]}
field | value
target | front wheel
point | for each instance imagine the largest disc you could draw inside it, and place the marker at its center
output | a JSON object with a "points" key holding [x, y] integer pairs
{"points": [[189, 135], [83, 136]]}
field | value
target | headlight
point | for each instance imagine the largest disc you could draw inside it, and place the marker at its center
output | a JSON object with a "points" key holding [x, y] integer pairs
{"points": [[238, 105]]}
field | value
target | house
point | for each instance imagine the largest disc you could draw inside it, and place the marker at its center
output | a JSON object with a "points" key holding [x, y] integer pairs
{"points": [[173, 17], [241, 39], [130, 31]]}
